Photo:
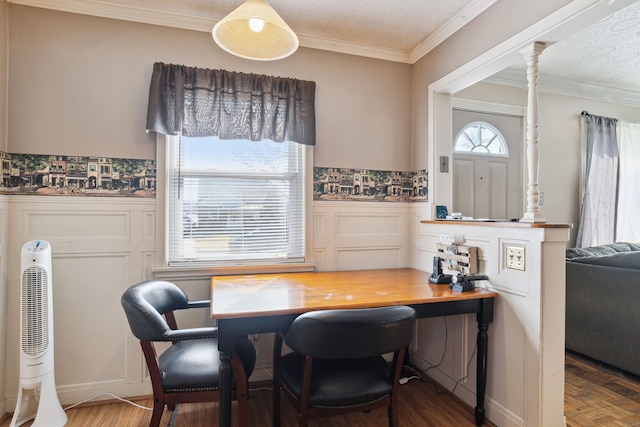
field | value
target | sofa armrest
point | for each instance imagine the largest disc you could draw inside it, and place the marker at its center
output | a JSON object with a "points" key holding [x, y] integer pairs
{"points": [[602, 315]]}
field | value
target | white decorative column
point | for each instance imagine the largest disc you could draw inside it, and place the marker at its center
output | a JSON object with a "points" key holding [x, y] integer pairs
{"points": [[531, 54]]}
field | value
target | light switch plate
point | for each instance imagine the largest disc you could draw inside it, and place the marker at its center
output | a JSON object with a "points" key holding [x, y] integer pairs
{"points": [[515, 257], [444, 164]]}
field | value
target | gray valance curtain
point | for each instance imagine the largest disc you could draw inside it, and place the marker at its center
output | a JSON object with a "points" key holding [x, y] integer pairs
{"points": [[201, 102], [598, 217]]}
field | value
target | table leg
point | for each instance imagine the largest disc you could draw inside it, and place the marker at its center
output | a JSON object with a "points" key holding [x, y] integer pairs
{"points": [[224, 405], [481, 379], [485, 315]]}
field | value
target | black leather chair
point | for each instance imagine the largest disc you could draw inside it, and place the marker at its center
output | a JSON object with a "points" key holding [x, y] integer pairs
{"points": [[337, 365], [187, 371]]}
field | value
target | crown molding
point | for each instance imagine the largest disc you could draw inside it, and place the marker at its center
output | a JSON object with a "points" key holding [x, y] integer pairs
{"points": [[562, 86], [122, 12], [454, 24], [188, 22], [339, 46]]}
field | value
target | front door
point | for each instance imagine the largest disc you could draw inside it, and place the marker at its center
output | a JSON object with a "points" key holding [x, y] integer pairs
{"points": [[487, 164]]}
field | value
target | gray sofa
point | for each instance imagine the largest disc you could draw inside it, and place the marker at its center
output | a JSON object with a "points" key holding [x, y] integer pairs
{"points": [[603, 304]]}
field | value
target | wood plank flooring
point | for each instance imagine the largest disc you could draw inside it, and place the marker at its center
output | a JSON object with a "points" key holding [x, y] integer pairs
{"points": [[593, 397], [421, 404]]}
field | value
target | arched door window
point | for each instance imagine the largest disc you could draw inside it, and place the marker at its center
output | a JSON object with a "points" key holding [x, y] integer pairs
{"points": [[480, 138]]}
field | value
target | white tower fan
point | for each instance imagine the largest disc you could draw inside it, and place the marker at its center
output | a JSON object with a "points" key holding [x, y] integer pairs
{"points": [[36, 341]]}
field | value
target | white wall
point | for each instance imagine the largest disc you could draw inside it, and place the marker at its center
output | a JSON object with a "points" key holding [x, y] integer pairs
{"points": [[4, 78], [4, 321], [525, 384], [4, 52]]}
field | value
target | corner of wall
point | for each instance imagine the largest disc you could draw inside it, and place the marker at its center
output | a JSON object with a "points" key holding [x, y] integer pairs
{"points": [[4, 225], [4, 107], [4, 73]]}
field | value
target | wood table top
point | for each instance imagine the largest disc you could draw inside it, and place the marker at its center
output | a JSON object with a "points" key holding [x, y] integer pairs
{"points": [[290, 293]]}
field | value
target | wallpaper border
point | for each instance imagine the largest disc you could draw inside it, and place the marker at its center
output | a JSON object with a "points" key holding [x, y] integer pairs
{"points": [[368, 185], [53, 175], [58, 175]]}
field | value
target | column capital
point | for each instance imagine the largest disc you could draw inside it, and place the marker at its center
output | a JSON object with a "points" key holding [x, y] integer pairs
{"points": [[534, 49]]}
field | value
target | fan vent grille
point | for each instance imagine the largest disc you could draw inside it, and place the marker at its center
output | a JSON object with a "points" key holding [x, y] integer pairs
{"points": [[35, 316]]}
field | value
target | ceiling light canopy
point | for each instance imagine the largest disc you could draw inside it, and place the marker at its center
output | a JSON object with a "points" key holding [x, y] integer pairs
{"points": [[255, 31]]}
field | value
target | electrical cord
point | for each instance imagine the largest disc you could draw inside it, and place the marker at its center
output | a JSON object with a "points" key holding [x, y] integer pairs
{"points": [[418, 373], [444, 350], [91, 398], [133, 403], [261, 388], [405, 380], [269, 374], [468, 364], [112, 395]]}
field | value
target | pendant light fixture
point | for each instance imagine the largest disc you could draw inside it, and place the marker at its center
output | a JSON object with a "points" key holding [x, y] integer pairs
{"points": [[255, 31]]}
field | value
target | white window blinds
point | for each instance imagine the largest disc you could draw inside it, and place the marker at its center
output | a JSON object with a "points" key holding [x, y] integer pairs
{"points": [[235, 201]]}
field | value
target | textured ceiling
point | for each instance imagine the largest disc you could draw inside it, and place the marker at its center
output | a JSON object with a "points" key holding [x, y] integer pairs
{"points": [[380, 23], [600, 60], [608, 51]]}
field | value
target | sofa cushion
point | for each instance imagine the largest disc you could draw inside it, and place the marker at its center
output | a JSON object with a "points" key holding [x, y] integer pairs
{"points": [[629, 260], [595, 251]]}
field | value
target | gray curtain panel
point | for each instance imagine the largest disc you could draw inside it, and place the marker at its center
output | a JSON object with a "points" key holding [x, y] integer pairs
{"points": [[599, 201], [201, 102]]}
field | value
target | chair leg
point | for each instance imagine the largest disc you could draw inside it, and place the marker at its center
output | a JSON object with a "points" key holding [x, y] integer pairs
{"points": [[303, 419], [243, 407], [174, 414], [156, 417], [393, 417], [305, 386]]}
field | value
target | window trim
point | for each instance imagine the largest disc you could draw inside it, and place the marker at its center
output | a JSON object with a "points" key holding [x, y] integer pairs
{"points": [[487, 125], [161, 269]]}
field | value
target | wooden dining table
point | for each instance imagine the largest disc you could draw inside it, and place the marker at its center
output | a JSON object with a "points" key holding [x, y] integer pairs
{"points": [[254, 304]]}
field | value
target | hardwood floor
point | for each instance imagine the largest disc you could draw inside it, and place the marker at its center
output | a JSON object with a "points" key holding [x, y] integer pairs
{"points": [[593, 397], [422, 404]]}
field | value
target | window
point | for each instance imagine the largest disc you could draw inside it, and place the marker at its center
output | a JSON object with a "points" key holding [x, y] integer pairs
{"points": [[480, 138], [235, 202]]}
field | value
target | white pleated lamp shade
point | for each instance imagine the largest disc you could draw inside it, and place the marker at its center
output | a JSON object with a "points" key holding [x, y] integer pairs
{"points": [[255, 31]]}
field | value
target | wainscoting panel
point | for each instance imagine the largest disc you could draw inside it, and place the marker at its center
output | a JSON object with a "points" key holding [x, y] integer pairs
{"points": [[528, 318], [83, 226], [4, 227], [421, 253], [351, 236], [368, 258], [367, 225], [87, 290], [100, 246]]}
